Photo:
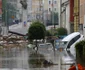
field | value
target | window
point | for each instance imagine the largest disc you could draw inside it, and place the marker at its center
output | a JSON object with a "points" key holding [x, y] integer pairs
{"points": [[70, 43], [73, 41], [49, 2], [76, 38], [55, 2]]}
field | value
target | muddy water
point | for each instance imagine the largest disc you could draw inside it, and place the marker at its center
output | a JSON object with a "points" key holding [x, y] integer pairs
{"points": [[18, 59]]}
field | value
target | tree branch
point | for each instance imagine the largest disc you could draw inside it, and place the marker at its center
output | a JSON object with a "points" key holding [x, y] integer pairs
{"points": [[24, 4]]}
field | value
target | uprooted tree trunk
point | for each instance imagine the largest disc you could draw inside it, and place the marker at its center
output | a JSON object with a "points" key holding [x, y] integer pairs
{"points": [[36, 46]]}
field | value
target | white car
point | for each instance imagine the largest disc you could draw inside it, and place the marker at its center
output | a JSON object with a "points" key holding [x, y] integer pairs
{"points": [[69, 41], [47, 46]]}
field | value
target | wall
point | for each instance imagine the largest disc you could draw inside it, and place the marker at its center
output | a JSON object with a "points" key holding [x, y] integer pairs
{"points": [[71, 11], [82, 16], [82, 11]]}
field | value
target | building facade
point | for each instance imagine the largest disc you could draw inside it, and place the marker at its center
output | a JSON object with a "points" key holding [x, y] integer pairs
{"points": [[42, 9], [82, 17], [75, 15], [71, 15], [64, 14], [36, 9], [82, 11]]}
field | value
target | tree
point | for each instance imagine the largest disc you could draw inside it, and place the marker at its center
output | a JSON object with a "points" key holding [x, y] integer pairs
{"points": [[48, 33], [80, 52], [11, 13], [36, 31], [61, 31], [4, 10], [9, 10], [24, 4]]}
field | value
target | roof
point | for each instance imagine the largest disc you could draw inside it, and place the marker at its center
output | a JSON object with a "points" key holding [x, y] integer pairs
{"points": [[70, 36], [19, 29]]}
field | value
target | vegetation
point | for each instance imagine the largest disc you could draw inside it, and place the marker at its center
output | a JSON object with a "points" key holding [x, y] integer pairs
{"points": [[61, 31], [80, 52], [9, 12], [36, 31], [48, 33]]}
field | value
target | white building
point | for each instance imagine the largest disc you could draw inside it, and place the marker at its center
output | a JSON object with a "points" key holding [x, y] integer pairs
{"points": [[64, 14]]}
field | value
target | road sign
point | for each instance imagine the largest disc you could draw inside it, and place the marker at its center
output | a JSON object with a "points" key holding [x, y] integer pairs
{"points": [[24, 23]]}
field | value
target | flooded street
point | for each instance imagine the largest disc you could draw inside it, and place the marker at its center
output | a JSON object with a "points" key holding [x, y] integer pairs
{"points": [[17, 59]]}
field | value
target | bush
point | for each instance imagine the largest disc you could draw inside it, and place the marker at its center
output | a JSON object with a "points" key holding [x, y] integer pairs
{"points": [[80, 51], [36, 31], [48, 33], [61, 31]]}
